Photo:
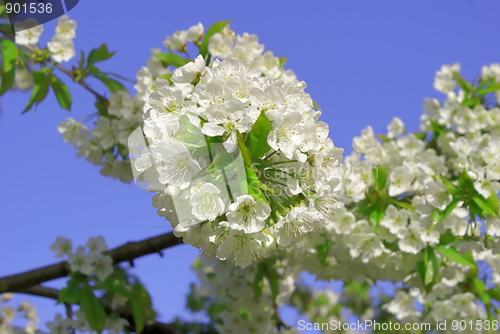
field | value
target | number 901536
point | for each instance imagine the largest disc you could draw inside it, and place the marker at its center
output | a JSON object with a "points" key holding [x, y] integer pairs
{"points": [[32, 8]]}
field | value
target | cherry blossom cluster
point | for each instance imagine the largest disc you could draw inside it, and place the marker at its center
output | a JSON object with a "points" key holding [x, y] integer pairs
{"points": [[239, 160], [226, 43], [78, 322], [61, 45], [106, 145], [9, 313], [221, 281], [86, 261]]}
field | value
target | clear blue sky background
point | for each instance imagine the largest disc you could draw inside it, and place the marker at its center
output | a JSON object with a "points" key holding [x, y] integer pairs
{"points": [[364, 62]]}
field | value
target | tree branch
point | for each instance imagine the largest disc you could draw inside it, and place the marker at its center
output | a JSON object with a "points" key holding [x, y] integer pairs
{"points": [[127, 252], [123, 312]]}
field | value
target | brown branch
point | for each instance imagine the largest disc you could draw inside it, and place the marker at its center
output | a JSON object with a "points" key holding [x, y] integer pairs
{"points": [[123, 312], [127, 252]]}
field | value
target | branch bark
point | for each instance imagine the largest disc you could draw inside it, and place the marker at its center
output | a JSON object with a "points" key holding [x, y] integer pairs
{"points": [[124, 312], [127, 252]]}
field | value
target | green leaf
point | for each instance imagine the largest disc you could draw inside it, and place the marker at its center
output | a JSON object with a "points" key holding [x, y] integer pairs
{"points": [[485, 297], [432, 270], [40, 89], [479, 286], [462, 82], [99, 54], [422, 270], [403, 205], [421, 135], [258, 283], [215, 308], [245, 314], [377, 214], [72, 293], [493, 87], [437, 215], [437, 129], [112, 85], [138, 314], [94, 311], [494, 293], [140, 303], [454, 190], [380, 176], [493, 202], [7, 81], [167, 76], [366, 209], [283, 61], [323, 250], [171, 58], [10, 52], [447, 238], [215, 28], [115, 285], [62, 92], [257, 137], [475, 210], [451, 254], [247, 159], [275, 286], [485, 205]]}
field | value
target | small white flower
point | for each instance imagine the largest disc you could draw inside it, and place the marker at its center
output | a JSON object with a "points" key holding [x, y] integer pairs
{"points": [[65, 28], [411, 239], [438, 195], [402, 306], [62, 49], [395, 128], [28, 36], [59, 325], [244, 248], [206, 203], [8, 313], [444, 81], [7, 296], [194, 33], [395, 220], [178, 167], [103, 265], [220, 45], [97, 244], [287, 133], [105, 131], [177, 41], [225, 120], [62, 246], [296, 225], [247, 214], [80, 262]]}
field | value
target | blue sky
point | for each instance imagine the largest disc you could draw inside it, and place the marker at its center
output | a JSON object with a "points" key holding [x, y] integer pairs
{"points": [[364, 62]]}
